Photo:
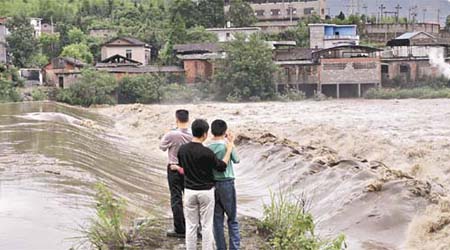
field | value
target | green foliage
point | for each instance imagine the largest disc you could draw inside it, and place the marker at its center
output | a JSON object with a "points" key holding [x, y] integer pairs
{"points": [[78, 51], [199, 34], [94, 87], [241, 14], [38, 60], [247, 71], [291, 226], [106, 230], [8, 92], [142, 89], [291, 95], [76, 36], [211, 13], [49, 44], [39, 95], [179, 93], [21, 40], [420, 93]]}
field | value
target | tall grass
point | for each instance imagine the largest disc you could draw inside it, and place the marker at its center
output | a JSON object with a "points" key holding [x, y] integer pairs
{"points": [[106, 230], [291, 227], [420, 93]]}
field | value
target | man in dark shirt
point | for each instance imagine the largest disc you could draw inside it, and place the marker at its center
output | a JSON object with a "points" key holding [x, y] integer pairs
{"points": [[198, 162]]}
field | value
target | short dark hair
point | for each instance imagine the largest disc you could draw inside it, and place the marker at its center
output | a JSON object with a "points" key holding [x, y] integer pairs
{"points": [[218, 127], [182, 115], [199, 128]]}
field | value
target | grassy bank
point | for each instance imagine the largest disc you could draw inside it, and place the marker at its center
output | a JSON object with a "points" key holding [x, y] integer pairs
{"points": [[420, 93]]}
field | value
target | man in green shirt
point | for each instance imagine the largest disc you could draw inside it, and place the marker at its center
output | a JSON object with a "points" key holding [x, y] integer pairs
{"points": [[225, 192]]}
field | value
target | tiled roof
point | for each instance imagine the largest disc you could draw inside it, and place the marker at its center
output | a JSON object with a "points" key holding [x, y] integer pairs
{"points": [[198, 48]]}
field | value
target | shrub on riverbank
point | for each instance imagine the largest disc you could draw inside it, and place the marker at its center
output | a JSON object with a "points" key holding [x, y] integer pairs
{"points": [[94, 87], [106, 230], [290, 226], [420, 93], [8, 92]]}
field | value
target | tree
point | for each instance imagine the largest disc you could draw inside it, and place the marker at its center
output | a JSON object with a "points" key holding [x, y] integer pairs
{"points": [[49, 44], [22, 43], [142, 89], [78, 51], [247, 71], [76, 36], [241, 14], [92, 88], [447, 22], [200, 35], [187, 10], [212, 13]]}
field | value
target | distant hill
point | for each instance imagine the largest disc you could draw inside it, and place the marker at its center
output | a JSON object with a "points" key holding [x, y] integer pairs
{"points": [[431, 14]]}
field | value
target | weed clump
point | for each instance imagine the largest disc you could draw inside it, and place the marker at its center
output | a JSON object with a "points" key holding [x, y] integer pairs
{"points": [[291, 227]]}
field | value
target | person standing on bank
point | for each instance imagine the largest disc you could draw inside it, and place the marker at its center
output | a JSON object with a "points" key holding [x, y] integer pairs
{"points": [[225, 190], [198, 162], [172, 141]]}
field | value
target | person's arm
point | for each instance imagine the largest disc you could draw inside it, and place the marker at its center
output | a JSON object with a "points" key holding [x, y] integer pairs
{"points": [[166, 142], [230, 146]]}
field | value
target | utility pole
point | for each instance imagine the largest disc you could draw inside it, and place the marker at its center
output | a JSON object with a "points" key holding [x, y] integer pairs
{"points": [[439, 16], [424, 11], [382, 8], [397, 14], [365, 12]]}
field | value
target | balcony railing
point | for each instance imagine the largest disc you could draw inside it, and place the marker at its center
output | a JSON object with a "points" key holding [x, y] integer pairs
{"points": [[336, 37]]}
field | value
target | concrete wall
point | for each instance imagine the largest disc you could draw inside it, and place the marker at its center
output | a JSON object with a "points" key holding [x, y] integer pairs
{"points": [[138, 53], [316, 36], [350, 71], [406, 71], [197, 69], [324, 36], [412, 51], [384, 32], [226, 35]]}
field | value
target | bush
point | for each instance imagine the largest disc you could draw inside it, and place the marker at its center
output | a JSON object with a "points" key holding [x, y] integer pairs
{"points": [[180, 93], [291, 95], [94, 87], [106, 230], [39, 95], [8, 92], [142, 89], [291, 227], [420, 93]]}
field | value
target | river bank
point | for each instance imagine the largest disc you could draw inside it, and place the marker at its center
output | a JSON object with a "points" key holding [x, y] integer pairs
{"points": [[337, 145]]}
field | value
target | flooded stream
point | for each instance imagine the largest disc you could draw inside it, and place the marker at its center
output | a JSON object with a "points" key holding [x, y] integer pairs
{"points": [[51, 156]]}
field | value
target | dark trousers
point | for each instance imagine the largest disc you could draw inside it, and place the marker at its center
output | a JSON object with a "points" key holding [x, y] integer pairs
{"points": [[176, 186], [226, 204]]}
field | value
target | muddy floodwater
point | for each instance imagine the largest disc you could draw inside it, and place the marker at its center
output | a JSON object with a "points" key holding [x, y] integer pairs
{"points": [[377, 171], [50, 160]]}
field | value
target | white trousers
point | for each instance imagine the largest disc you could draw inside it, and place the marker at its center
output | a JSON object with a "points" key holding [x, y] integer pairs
{"points": [[199, 202]]}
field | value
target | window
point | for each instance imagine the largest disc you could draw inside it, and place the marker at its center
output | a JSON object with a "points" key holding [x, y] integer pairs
{"points": [[61, 81], [129, 54], [308, 11], [259, 13], [404, 68], [291, 10], [385, 69], [275, 12]]}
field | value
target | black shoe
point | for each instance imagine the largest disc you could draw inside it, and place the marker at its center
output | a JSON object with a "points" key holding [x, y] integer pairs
{"points": [[172, 233]]}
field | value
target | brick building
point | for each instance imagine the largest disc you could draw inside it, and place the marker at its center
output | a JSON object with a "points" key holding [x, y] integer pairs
{"points": [[343, 71], [62, 72], [407, 61], [198, 60]]}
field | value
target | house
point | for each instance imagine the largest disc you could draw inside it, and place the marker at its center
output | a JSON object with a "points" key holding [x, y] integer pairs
{"points": [[3, 55], [383, 32], [37, 25], [342, 71], [198, 60], [407, 61], [323, 36], [282, 10], [130, 48], [121, 66], [62, 72], [228, 34]]}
